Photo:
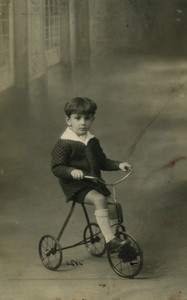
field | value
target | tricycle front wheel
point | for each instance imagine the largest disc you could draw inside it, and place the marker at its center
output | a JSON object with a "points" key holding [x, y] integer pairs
{"points": [[128, 260]]}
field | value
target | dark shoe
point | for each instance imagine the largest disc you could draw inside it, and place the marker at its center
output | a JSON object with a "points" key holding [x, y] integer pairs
{"points": [[115, 244], [128, 254]]}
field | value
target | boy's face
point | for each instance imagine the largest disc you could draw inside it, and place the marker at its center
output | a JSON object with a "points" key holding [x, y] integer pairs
{"points": [[79, 123]]}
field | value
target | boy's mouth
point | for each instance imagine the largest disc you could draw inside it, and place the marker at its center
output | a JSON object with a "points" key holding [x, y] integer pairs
{"points": [[82, 129]]}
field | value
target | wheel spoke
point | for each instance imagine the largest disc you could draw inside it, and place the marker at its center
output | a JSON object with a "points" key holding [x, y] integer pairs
{"points": [[95, 244], [119, 263]]}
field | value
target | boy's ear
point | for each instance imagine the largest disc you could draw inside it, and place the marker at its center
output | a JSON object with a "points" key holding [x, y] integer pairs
{"points": [[67, 120]]}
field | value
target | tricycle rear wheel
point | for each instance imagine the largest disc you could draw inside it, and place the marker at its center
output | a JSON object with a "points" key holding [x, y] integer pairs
{"points": [[50, 252]]}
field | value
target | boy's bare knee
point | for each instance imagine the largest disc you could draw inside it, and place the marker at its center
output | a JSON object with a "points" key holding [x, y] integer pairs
{"points": [[100, 202], [97, 199]]}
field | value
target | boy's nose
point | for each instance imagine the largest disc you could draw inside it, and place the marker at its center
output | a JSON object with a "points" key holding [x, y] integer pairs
{"points": [[83, 121]]}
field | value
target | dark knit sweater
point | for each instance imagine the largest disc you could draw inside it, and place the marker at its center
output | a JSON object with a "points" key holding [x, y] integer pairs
{"points": [[68, 155]]}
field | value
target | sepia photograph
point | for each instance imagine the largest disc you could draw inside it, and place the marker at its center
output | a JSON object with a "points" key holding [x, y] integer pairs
{"points": [[93, 149]]}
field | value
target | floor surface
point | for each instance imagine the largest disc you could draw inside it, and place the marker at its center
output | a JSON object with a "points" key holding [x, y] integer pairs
{"points": [[141, 118]]}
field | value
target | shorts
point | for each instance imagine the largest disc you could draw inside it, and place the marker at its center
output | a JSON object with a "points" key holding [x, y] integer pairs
{"points": [[80, 195]]}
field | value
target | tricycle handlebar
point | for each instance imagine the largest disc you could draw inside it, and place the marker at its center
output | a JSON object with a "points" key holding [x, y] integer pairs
{"points": [[112, 183]]}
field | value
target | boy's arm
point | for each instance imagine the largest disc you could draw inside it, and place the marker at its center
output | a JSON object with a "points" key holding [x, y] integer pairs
{"points": [[109, 164], [106, 164], [59, 161]]}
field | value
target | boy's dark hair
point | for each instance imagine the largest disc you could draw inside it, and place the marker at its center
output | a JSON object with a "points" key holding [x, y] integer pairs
{"points": [[80, 105]]}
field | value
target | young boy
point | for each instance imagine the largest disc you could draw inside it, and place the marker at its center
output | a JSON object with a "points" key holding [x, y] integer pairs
{"points": [[78, 153]]}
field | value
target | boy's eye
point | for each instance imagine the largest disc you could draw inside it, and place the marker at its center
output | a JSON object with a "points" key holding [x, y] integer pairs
{"points": [[85, 117], [89, 117]]}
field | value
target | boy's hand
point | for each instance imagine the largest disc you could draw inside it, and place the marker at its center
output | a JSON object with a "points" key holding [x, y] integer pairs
{"points": [[77, 174], [125, 166]]}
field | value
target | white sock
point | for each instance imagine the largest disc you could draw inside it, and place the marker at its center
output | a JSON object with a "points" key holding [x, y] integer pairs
{"points": [[102, 217]]}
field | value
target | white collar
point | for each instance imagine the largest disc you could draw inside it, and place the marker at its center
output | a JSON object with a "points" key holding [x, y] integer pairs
{"points": [[70, 135]]}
